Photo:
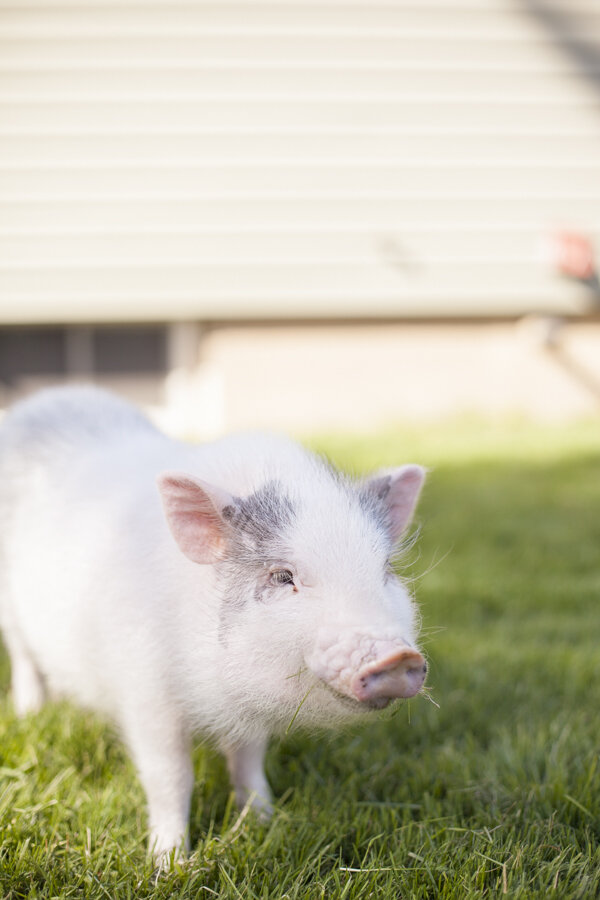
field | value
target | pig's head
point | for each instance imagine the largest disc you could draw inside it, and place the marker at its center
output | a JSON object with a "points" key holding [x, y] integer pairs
{"points": [[313, 619]]}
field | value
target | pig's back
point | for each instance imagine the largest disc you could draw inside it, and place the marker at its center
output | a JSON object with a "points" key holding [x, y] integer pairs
{"points": [[57, 427], [74, 441], [60, 421]]}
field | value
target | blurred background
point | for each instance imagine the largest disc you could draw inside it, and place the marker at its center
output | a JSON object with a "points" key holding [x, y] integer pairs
{"points": [[303, 215]]}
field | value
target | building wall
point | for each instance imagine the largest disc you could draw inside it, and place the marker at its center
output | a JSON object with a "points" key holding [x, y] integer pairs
{"points": [[359, 378], [252, 158], [191, 166]]}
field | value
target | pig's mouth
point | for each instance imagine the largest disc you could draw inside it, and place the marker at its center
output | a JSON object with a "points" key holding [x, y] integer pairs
{"points": [[355, 705], [380, 703]]}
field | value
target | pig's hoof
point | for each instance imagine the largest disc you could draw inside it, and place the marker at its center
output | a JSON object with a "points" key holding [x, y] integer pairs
{"points": [[168, 853], [168, 861], [263, 810], [256, 804]]}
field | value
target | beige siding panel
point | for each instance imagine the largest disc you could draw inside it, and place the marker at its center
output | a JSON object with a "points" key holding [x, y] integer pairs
{"points": [[339, 176], [492, 18], [249, 111], [409, 248], [152, 291], [525, 147], [264, 211], [314, 45], [208, 280], [79, 80], [515, 6]]}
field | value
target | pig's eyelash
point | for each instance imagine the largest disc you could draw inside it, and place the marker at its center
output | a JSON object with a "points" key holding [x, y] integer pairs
{"points": [[282, 577]]}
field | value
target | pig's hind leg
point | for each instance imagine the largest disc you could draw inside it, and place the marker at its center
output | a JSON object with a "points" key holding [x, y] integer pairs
{"points": [[27, 683], [27, 686], [245, 763]]}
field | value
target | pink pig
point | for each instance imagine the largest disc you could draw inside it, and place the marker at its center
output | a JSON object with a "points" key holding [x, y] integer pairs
{"points": [[252, 587]]}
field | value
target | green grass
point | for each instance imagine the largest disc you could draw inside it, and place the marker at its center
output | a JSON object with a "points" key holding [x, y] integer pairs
{"points": [[495, 793]]}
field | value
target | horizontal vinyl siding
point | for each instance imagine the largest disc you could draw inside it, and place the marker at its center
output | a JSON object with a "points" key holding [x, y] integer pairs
{"points": [[198, 160], [300, 47], [92, 146], [392, 216], [516, 242], [22, 80], [318, 111]]}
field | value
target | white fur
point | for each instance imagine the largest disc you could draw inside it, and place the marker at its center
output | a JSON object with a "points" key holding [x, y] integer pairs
{"points": [[99, 603]]}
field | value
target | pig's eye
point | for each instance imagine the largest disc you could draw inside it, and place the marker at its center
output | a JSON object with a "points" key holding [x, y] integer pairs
{"points": [[282, 576]]}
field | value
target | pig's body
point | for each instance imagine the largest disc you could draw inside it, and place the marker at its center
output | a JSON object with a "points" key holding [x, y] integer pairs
{"points": [[262, 583]]}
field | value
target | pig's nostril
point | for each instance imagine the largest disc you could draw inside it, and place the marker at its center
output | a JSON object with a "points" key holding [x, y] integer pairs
{"points": [[418, 670], [400, 675]]}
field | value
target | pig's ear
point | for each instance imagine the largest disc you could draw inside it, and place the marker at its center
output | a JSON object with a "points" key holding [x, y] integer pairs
{"points": [[399, 492], [194, 511]]}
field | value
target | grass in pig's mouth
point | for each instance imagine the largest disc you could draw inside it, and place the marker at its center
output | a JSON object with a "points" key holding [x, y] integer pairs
{"points": [[426, 692], [299, 707]]}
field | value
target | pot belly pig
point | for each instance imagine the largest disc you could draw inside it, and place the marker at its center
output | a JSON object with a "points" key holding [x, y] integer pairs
{"points": [[221, 589]]}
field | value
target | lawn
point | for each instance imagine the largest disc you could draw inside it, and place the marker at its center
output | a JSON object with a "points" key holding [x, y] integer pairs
{"points": [[495, 791]]}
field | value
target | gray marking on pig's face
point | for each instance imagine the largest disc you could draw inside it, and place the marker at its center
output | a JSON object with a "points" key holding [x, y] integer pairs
{"points": [[257, 528], [380, 487], [262, 516], [372, 501]]}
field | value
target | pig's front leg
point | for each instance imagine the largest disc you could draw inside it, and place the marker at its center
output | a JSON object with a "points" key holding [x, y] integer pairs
{"points": [[161, 752], [245, 763]]}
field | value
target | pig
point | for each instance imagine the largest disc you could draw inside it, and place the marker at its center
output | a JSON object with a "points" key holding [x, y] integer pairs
{"points": [[224, 589]]}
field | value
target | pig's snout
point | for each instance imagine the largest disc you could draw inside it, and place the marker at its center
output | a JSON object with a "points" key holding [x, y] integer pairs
{"points": [[369, 668], [400, 674]]}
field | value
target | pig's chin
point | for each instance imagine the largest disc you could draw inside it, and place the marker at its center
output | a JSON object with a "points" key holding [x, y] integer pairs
{"points": [[358, 706]]}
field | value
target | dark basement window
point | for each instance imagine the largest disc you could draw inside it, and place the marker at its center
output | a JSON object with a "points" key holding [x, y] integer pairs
{"points": [[131, 350]]}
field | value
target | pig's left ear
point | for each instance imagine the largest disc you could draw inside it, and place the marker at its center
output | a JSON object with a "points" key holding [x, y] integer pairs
{"points": [[194, 512], [399, 492]]}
